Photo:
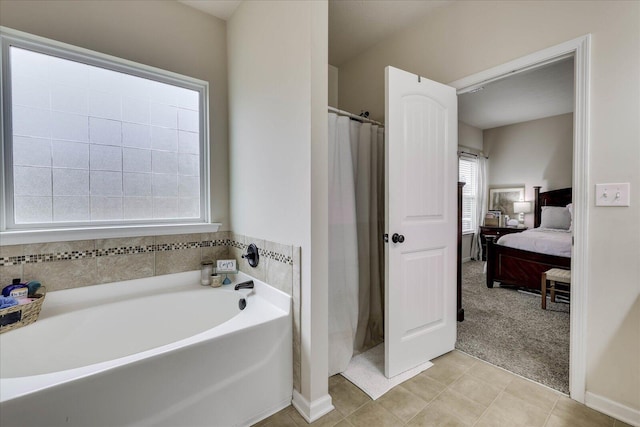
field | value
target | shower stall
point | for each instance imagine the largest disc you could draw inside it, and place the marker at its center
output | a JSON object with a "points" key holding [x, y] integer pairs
{"points": [[356, 229]]}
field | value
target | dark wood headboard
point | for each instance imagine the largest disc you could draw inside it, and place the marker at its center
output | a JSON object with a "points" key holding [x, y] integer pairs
{"points": [[561, 197]]}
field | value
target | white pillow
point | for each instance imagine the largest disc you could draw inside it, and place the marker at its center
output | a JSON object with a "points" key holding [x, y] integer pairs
{"points": [[557, 217]]}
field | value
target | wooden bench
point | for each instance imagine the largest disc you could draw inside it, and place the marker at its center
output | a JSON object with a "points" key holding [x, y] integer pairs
{"points": [[554, 275]]}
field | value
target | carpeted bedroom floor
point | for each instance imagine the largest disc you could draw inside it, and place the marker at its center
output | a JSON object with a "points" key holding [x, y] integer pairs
{"points": [[508, 328]]}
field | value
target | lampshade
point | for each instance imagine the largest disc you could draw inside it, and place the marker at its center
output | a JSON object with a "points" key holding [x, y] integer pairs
{"points": [[521, 207]]}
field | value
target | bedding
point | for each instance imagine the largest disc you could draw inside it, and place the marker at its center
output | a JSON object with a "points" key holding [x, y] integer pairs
{"points": [[541, 240]]}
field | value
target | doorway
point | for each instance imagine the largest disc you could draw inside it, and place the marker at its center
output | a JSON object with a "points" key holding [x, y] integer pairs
{"points": [[579, 48]]}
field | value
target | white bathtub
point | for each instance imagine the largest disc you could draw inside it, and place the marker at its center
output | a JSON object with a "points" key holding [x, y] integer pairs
{"points": [[162, 351]]}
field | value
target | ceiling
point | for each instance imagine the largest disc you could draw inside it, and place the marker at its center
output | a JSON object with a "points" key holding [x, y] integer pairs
{"points": [[529, 95], [354, 25], [222, 9], [357, 25]]}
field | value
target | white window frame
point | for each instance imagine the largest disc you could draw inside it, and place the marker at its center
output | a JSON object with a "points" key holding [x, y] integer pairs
{"points": [[20, 234], [474, 220]]}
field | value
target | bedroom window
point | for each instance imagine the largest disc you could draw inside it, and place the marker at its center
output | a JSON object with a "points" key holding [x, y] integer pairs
{"points": [[468, 173], [95, 141]]}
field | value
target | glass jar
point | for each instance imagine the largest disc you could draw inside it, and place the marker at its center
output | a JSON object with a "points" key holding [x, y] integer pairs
{"points": [[206, 272]]}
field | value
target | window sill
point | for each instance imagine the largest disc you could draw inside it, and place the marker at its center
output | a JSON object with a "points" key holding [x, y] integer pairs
{"points": [[466, 233], [91, 233]]}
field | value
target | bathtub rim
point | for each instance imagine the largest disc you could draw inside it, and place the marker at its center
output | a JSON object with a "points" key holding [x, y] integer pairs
{"points": [[264, 303]]}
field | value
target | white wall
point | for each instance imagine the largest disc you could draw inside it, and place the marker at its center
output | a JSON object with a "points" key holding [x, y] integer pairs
{"points": [[539, 152], [469, 138], [333, 86], [278, 150], [464, 38], [139, 31]]}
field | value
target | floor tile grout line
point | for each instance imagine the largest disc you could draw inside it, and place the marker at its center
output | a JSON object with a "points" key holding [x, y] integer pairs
{"points": [[489, 406], [388, 411], [517, 375], [446, 386], [434, 398], [546, 421]]}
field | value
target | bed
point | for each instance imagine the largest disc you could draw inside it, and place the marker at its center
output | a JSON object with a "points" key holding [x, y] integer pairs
{"points": [[523, 268]]}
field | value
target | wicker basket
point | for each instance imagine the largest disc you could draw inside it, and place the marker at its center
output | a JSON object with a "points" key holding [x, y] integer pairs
{"points": [[22, 314]]}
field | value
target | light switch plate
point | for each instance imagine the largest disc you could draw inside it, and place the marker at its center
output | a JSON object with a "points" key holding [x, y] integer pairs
{"points": [[615, 194]]}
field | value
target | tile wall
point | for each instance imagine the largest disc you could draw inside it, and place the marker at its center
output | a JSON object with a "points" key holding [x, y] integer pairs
{"points": [[66, 265]]}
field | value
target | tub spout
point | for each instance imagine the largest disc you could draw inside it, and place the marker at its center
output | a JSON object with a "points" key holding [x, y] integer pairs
{"points": [[244, 285]]}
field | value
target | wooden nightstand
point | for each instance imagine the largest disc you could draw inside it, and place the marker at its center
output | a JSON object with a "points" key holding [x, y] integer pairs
{"points": [[497, 232]]}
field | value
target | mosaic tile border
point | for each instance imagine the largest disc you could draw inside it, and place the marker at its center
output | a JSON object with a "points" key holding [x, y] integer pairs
{"points": [[276, 256], [129, 250]]}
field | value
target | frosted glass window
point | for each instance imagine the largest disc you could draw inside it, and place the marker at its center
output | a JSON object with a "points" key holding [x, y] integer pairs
{"points": [[106, 208], [106, 158], [188, 142], [31, 151], [188, 208], [104, 131], [70, 182], [71, 127], [29, 181], [165, 207], [104, 104], [29, 92], [163, 115], [105, 183], [188, 120], [188, 164], [136, 135], [137, 184], [69, 99], [138, 208], [134, 160], [165, 185], [97, 139], [135, 110], [33, 210], [68, 154], [70, 208], [188, 186], [34, 122], [164, 139], [164, 162]]}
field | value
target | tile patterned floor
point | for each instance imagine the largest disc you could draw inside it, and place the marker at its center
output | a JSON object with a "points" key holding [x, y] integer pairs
{"points": [[458, 390]]}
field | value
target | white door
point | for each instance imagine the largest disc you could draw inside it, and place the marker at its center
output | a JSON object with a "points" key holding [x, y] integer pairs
{"points": [[421, 217]]}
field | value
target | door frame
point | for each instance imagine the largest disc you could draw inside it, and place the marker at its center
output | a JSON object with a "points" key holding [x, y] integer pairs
{"points": [[580, 48]]}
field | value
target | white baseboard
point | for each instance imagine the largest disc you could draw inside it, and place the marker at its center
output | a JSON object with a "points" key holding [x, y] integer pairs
{"points": [[311, 411], [467, 259], [613, 409]]}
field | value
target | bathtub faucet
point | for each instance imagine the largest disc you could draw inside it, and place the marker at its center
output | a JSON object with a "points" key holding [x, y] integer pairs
{"points": [[244, 285]]}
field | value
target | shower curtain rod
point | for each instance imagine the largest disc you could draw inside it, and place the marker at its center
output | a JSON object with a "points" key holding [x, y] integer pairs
{"points": [[353, 116], [466, 153]]}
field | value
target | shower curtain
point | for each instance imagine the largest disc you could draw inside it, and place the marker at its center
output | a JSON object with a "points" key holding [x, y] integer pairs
{"points": [[343, 250], [481, 206], [369, 180], [356, 226]]}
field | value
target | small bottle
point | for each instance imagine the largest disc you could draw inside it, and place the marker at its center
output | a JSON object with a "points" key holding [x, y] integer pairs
{"points": [[216, 281], [205, 273]]}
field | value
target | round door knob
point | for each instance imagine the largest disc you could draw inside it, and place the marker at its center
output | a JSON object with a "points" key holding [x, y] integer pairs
{"points": [[397, 238]]}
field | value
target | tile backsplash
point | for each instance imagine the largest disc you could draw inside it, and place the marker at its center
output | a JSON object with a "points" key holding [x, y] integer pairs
{"points": [[65, 265]]}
